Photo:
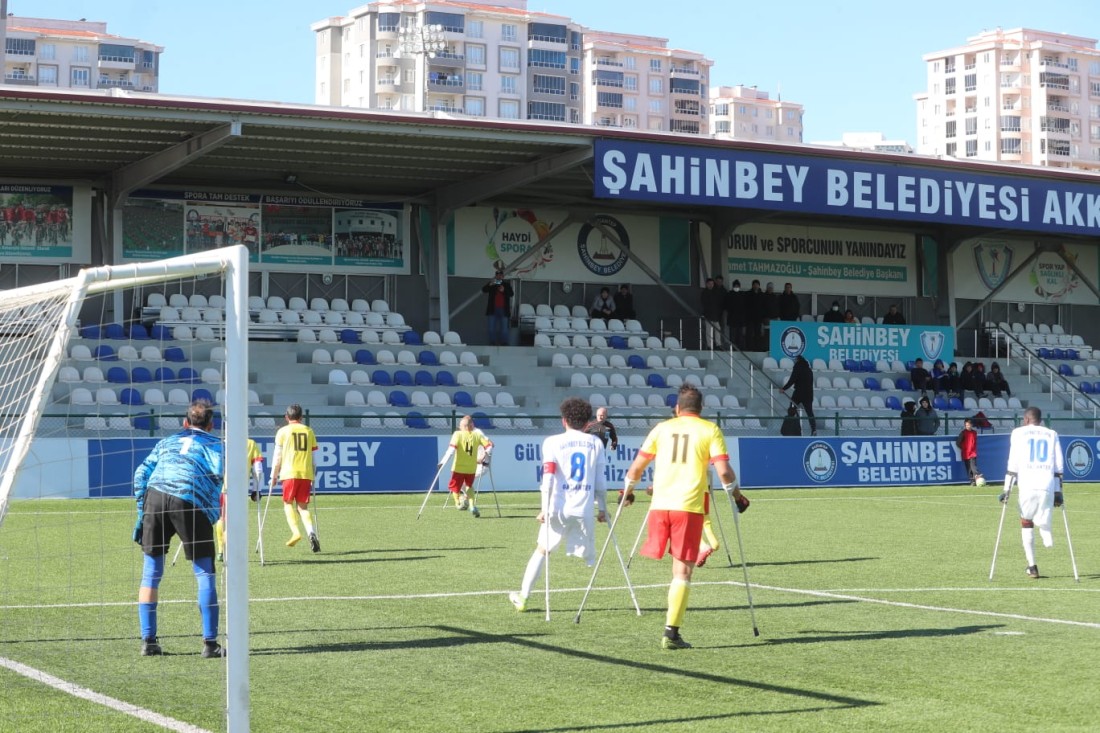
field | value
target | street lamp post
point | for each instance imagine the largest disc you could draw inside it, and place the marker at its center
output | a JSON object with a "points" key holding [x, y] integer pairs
{"points": [[421, 42]]}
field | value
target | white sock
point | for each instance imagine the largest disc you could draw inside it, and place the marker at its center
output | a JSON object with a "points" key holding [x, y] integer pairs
{"points": [[307, 520], [531, 574], [1028, 534], [1048, 538]]}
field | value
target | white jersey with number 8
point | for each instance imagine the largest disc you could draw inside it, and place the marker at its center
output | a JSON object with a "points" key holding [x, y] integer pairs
{"points": [[573, 468]]}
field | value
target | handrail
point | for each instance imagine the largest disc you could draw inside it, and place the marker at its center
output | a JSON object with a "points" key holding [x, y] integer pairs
{"points": [[1073, 390]]}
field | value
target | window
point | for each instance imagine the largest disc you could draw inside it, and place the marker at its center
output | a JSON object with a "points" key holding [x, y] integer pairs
{"points": [[475, 54], [508, 32], [971, 148], [546, 111], [769, 131], [347, 85], [362, 50], [475, 29], [949, 86], [47, 75], [544, 84], [970, 82], [630, 62], [971, 125], [451, 22], [609, 99], [950, 130], [790, 132], [47, 52], [951, 149], [115, 52], [509, 109], [410, 76], [81, 77], [722, 109], [80, 54], [475, 106], [574, 65], [684, 86], [655, 106], [509, 58], [722, 127], [654, 64], [656, 123], [1094, 91], [742, 109], [630, 104], [546, 59], [574, 92], [656, 85], [575, 40], [633, 122], [20, 46], [630, 81], [508, 84], [388, 22], [474, 81], [547, 33]]}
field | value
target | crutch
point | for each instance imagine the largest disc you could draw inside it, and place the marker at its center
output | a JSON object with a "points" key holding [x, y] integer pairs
{"points": [[638, 539], [1000, 525], [721, 531], [311, 507], [263, 521], [546, 544], [599, 561], [429, 494], [744, 567], [1069, 543], [175, 557], [492, 483]]}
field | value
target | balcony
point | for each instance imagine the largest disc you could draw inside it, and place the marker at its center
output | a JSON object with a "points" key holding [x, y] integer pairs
{"points": [[449, 59], [453, 85], [684, 71], [387, 83], [385, 54], [20, 79], [1057, 107], [1053, 63], [609, 62], [115, 83], [121, 63], [448, 108]]}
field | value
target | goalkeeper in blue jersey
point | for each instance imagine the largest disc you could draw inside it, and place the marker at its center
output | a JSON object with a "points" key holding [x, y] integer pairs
{"points": [[178, 488]]}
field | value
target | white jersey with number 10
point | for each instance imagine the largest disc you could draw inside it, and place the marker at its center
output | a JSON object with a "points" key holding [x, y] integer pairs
{"points": [[1035, 456], [572, 470]]}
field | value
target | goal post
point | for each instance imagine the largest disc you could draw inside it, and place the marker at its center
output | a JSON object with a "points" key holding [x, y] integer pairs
{"points": [[37, 325]]}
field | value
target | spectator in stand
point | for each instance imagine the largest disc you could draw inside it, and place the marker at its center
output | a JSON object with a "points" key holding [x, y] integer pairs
{"points": [[771, 313], [893, 317], [979, 371], [920, 377], [909, 418], [755, 309], [850, 318], [950, 382], [802, 378], [604, 305], [789, 307], [498, 308], [971, 380], [939, 371], [720, 286], [735, 314], [834, 315], [996, 382], [712, 302], [927, 421], [624, 303]]}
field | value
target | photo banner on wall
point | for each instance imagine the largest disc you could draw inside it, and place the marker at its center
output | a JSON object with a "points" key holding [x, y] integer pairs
{"points": [[823, 259], [282, 233], [979, 265], [860, 342], [44, 223], [485, 238]]}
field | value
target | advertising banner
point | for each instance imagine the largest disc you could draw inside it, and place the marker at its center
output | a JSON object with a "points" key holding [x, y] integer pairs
{"points": [[719, 176], [982, 264], [486, 238], [815, 340], [823, 259], [44, 224]]}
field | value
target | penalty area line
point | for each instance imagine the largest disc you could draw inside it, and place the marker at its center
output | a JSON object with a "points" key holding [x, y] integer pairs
{"points": [[70, 688]]}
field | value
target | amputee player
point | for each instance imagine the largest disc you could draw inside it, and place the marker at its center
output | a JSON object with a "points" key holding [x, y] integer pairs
{"points": [[254, 482], [463, 446], [572, 489], [177, 488], [292, 463], [1035, 462], [682, 450]]}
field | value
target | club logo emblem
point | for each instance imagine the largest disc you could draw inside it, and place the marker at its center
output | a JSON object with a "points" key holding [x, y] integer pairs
{"points": [[994, 262], [819, 462], [932, 344], [597, 246], [1079, 458], [792, 342]]}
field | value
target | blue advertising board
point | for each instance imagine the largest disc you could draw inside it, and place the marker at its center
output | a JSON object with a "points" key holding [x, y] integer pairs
{"points": [[715, 176], [815, 340]]}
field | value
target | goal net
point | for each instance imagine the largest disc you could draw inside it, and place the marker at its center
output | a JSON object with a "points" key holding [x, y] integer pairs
{"points": [[94, 370]]}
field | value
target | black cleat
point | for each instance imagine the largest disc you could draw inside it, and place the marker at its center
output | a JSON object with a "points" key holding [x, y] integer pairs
{"points": [[212, 650], [674, 642], [1033, 571], [314, 543], [151, 648]]}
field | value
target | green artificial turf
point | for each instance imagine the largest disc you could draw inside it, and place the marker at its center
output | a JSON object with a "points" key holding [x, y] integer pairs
{"points": [[404, 625]]}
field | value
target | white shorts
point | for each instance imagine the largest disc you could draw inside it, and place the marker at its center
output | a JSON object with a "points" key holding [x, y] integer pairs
{"points": [[578, 533], [1036, 506]]}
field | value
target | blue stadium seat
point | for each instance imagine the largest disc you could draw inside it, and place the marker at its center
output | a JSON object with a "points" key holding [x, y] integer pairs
{"points": [[201, 393], [402, 378], [217, 420], [164, 374], [482, 421], [910, 364], [424, 378], [142, 422], [445, 378], [1086, 387], [851, 365], [867, 365], [130, 396], [427, 358], [1073, 354], [416, 421], [954, 404], [656, 381], [412, 338], [635, 362], [1064, 369], [91, 332], [463, 399], [365, 356], [1044, 353], [138, 332], [140, 375], [872, 384], [118, 375], [904, 384], [1096, 387], [940, 403], [670, 399], [1059, 354], [617, 342], [161, 333], [398, 398], [893, 403], [103, 352], [350, 336], [187, 375], [175, 355], [114, 331], [382, 378]]}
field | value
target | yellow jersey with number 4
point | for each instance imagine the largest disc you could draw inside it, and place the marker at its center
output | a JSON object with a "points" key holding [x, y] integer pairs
{"points": [[682, 450], [466, 444]]}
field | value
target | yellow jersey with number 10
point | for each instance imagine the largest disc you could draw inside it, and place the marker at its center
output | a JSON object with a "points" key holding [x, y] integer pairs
{"points": [[296, 443], [682, 450]]}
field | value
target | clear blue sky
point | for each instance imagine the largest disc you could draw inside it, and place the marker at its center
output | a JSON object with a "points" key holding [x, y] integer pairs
{"points": [[854, 64]]}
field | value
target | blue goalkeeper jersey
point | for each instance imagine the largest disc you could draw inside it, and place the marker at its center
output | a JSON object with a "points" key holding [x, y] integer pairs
{"points": [[188, 465]]}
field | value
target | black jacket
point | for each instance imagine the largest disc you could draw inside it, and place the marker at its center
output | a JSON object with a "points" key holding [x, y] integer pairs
{"points": [[789, 307], [490, 288], [802, 377], [713, 303]]}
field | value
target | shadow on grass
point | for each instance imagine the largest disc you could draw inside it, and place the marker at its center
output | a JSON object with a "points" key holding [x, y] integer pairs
{"points": [[723, 609], [824, 637], [388, 551], [325, 558], [638, 724]]}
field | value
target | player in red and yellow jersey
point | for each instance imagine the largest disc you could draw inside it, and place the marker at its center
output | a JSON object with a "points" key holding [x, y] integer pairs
{"points": [[681, 449], [464, 444], [292, 464], [255, 481]]}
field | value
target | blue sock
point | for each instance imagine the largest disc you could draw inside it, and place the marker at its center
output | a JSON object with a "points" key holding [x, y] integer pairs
{"points": [[208, 596], [151, 573]]}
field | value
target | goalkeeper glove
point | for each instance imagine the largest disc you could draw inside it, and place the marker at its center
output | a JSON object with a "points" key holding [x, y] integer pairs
{"points": [[1058, 498], [254, 495], [139, 528], [739, 499]]}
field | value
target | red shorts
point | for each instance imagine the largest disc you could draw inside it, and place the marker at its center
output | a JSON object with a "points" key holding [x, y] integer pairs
{"points": [[297, 489], [458, 480], [221, 503], [677, 532]]}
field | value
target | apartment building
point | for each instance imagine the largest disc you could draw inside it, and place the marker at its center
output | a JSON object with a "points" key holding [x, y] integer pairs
{"points": [[1019, 96], [874, 142], [498, 59], [77, 54], [747, 113]]}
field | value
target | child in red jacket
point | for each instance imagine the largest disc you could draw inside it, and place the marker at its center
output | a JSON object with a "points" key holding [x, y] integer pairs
{"points": [[967, 443]]}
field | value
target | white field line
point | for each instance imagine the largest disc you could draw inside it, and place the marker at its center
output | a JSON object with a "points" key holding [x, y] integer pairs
{"points": [[69, 688]]}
